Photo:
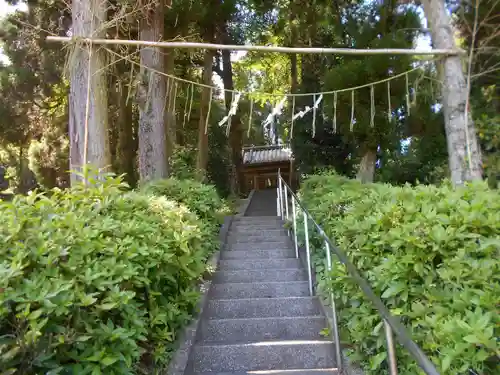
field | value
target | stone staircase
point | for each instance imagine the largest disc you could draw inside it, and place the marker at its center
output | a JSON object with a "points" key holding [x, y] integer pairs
{"points": [[259, 318]]}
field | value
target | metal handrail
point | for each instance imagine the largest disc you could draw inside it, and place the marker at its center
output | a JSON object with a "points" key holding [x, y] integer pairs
{"points": [[391, 323]]}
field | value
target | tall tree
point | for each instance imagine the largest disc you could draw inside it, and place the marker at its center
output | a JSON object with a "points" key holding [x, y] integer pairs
{"points": [[209, 20], [88, 107], [203, 132], [463, 148], [153, 156]]}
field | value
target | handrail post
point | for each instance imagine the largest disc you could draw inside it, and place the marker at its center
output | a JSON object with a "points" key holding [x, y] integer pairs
{"points": [[391, 351], [308, 254], [336, 335], [295, 229], [277, 202], [280, 195], [280, 201], [283, 197], [285, 189]]}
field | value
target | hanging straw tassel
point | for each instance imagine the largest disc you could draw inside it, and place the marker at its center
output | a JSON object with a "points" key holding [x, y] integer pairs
{"points": [[167, 97], [293, 119], [335, 112], [191, 102], [352, 110], [407, 95], [186, 105], [228, 129], [170, 95], [174, 99], [208, 112], [389, 106], [229, 115], [372, 106], [250, 118], [314, 117], [415, 88]]}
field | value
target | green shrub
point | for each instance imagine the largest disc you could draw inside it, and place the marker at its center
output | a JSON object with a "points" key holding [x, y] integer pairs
{"points": [[431, 253], [200, 198], [94, 280], [183, 163]]}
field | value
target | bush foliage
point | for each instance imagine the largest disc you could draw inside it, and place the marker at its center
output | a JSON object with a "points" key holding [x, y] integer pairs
{"points": [[200, 198], [431, 253], [95, 280]]}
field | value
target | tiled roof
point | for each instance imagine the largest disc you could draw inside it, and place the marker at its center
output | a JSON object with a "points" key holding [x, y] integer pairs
{"points": [[266, 154]]}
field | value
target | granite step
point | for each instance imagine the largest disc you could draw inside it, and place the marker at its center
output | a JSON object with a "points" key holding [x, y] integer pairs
{"points": [[261, 245], [260, 290], [258, 254], [231, 331], [322, 371], [262, 307], [264, 356], [250, 276], [260, 264]]}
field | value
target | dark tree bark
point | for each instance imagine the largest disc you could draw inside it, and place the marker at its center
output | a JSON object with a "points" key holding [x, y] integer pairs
{"points": [[202, 157], [126, 147], [153, 155]]}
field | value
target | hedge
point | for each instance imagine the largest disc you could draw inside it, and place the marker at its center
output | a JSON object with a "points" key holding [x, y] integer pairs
{"points": [[97, 280], [200, 198], [431, 253]]}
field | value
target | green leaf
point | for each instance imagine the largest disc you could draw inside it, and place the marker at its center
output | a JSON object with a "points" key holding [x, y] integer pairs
{"points": [[446, 362], [471, 339], [35, 314], [107, 306], [88, 300], [393, 290], [108, 361], [377, 360], [83, 338]]}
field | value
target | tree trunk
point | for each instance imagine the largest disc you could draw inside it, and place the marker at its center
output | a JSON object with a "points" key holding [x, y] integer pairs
{"points": [[202, 157], [294, 83], [126, 148], [236, 131], [463, 148], [153, 156], [88, 18], [366, 171]]}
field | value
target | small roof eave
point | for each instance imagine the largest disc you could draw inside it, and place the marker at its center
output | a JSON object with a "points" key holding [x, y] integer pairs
{"points": [[260, 155]]}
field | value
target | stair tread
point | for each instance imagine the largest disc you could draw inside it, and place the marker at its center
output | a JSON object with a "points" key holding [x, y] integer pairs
{"points": [[266, 282], [262, 307], [258, 254], [260, 289], [259, 264], [323, 371], [248, 330], [270, 318], [281, 274], [305, 298], [270, 343], [272, 355]]}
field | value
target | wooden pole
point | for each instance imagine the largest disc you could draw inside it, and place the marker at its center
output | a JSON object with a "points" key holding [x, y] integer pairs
{"points": [[339, 51]]}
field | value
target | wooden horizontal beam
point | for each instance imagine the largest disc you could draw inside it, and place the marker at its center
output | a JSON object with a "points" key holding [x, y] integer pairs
{"points": [[232, 47]]}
